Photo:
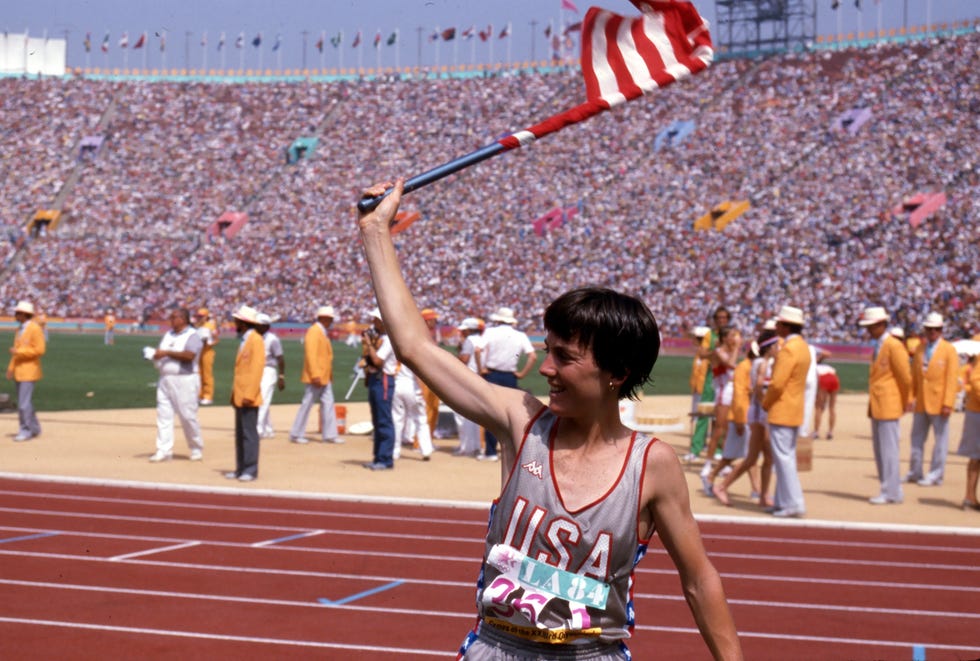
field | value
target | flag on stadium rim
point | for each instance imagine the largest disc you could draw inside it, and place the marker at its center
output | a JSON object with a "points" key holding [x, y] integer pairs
{"points": [[105, 43], [319, 42], [449, 34], [377, 38], [88, 42], [221, 41], [569, 5], [240, 41], [124, 40], [257, 41], [622, 59], [486, 34], [336, 41], [393, 38], [357, 40], [204, 39], [163, 41], [278, 43], [468, 32], [505, 32], [140, 42]]}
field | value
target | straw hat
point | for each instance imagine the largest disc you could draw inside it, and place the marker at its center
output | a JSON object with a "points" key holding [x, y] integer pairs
{"points": [[933, 320], [246, 314], [872, 316], [429, 313], [24, 306], [897, 332], [325, 311], [376, 314], [504, 316], [790, 315], [700, 331], [203, 312], [470, 323], [262, 319]]}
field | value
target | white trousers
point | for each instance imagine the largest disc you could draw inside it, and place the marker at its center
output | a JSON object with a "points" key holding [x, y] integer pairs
{"points": [[270, 375], [409, 416], [177, 394], [921, 422], [328, 417], [884, 438], [789, 492], [469, 435]]}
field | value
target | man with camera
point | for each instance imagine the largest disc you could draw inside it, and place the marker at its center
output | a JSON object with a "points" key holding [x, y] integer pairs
{"points": [[380, 366]]}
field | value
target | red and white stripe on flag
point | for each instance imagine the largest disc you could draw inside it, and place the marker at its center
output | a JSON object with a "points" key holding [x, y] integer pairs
{"points": [[626, 57]]}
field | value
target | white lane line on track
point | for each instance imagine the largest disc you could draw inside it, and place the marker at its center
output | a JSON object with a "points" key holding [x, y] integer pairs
{"points": [[231, 526], [478, 521], [840, 542], [472, 559], [226, 638], [820, 639], [471, 505], [955, 615], [161, 549], [300, 533], [406, 651], [928, 587]]}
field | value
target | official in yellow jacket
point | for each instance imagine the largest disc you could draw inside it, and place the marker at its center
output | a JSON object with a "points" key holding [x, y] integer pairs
{"points": [[970, 442], [317, 377], [889, 385], [246, 394], [935, 372], [784, 402], [24, 368]]}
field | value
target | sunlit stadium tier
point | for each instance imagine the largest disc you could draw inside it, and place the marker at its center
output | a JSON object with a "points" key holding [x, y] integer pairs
{"points": [[819, 234]]}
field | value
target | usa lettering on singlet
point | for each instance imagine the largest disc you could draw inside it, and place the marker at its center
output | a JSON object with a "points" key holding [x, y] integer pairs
{"points": [[554, 576]]}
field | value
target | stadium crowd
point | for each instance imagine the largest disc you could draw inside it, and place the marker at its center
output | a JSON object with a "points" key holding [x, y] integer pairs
{"points": [[820, 232]]}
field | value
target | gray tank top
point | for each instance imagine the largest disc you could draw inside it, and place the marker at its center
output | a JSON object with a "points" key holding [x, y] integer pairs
{"points": [[554, 576]]}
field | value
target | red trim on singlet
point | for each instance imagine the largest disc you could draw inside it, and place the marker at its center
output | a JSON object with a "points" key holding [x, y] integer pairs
{"points": [[554, 477], [517, 454], [639, 501]]}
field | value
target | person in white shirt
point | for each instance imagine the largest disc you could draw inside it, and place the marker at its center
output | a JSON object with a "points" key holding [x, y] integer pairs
{"points": [[380, 366], [274, 374], [471, 353], [502, 353], [178, 387], [409, 415]]}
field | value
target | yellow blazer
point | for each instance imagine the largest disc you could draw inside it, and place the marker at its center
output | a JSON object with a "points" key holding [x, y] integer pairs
{"points": [[741, 392], [28, 347], [249, 364], [784, 398], [934, 385], [972, 401], [889, 381], [698, 369], [317, 355]]}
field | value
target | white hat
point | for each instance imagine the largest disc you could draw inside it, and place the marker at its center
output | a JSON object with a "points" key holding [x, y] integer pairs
{"points": [[25, 306], [770, 324], [325, 311], [376, 314], [933, 320], [504, 316], [872, 316], [246, 314], [700, 331], [470, 323], [790, 315], [262, 319], [897, 332]]}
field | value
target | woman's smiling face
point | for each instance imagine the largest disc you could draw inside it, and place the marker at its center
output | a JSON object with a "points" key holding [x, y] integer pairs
{"points": [[575, 381]]}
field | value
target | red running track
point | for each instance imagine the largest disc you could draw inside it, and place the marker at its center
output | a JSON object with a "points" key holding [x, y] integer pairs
{"points": [[97, 572]]}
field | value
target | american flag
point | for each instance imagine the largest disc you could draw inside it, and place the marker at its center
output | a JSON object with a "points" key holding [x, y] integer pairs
{"points": [[623, 58], [626, 57]]}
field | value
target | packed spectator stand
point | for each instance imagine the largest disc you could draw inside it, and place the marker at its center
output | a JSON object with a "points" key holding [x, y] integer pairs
{"points": [[820, 233]]}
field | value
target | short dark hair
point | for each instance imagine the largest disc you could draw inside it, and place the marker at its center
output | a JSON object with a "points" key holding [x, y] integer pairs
{"points": [[184, 313], [619, 329]]}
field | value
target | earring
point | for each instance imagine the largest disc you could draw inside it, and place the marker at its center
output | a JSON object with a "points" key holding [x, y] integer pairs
{"points": [[612, 386]]}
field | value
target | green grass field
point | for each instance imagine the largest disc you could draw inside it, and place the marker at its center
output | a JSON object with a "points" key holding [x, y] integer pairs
{"points": [[118, 377]]}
